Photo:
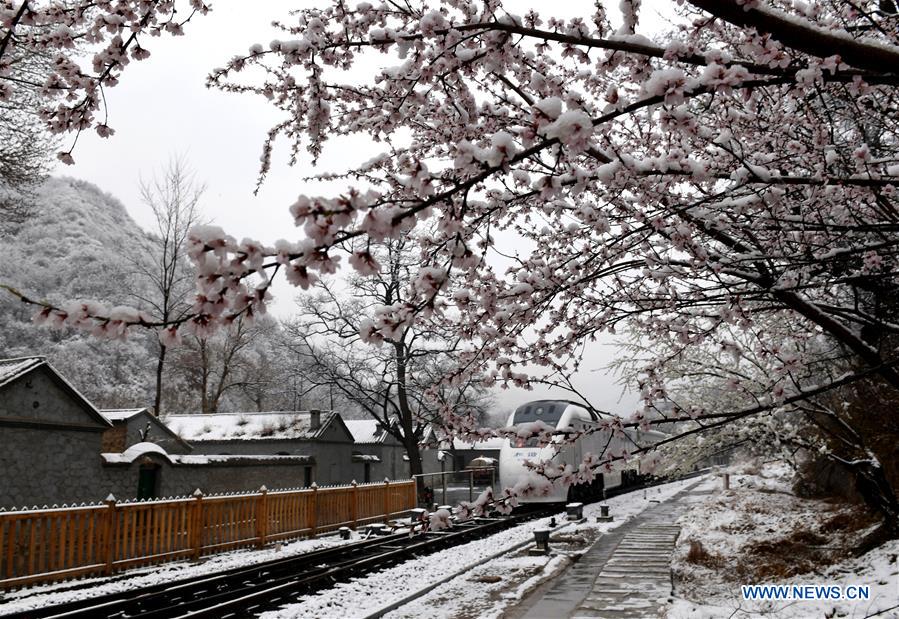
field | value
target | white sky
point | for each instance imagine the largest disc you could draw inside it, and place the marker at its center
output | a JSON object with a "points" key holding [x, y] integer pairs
{"points": [[162, 109]]}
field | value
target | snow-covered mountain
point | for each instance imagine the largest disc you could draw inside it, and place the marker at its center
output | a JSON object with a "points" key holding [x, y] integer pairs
{"points": [[80, 243]]}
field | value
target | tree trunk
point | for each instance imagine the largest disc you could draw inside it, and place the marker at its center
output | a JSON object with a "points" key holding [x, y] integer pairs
{"points": [[204, 378], [157, 402], [875, 489], [414, 453], [406, 421]]}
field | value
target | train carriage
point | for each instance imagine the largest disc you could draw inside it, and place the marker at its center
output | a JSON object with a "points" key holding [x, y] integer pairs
{"points": [[562, 415]]}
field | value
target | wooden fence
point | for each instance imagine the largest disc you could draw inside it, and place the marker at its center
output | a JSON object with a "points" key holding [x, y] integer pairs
{"points": [[57, 544]]}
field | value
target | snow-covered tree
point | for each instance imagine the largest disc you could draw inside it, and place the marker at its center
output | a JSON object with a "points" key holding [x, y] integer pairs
{"points": [[400, 383], [741, 167], [26, 146], [231, 369], [112, 34], [166, 279], [70, 246]]}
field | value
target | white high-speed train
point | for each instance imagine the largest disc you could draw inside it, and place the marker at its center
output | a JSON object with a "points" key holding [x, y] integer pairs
{"points": [[565, 415]]}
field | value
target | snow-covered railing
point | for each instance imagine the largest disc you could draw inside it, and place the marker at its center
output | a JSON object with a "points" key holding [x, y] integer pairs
{"points": [[53, 544]]}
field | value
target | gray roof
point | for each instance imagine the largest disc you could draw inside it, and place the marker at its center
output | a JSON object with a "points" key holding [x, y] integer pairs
{"points": [[11, 369], [117, 414], [366, 430], [276, 425]]}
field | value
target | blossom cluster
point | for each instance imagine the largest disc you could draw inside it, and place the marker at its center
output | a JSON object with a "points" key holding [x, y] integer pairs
{"points": [[735, 174]]}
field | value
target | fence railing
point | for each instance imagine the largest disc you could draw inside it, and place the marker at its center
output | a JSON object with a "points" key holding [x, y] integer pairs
{"points": [[445, 487], [61, 543]]}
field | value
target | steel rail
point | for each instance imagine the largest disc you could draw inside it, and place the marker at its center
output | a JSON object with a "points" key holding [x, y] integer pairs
{"points": [[247, 590]]}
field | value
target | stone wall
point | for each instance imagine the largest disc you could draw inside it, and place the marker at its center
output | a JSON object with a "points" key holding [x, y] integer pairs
{"points": [[50, 441], [211, 478], [115, 440], [158, 434], [39, 396], [43, 467], [333, 460]]}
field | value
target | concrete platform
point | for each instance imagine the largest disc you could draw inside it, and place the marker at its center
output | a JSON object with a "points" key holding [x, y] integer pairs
{"points": [[625, 575]]}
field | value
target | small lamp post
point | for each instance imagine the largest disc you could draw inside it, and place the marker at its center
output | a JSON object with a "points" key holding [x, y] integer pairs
{"points": [[604, 514], [541, 542]]}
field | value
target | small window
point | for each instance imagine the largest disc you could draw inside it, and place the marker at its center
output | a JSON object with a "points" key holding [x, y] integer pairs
{"points": [[307, 476], [367, 472]]}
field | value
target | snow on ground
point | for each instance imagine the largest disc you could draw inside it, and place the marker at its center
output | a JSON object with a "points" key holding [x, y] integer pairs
{"points": [[59, 593], [760, 533], [483, 591]]}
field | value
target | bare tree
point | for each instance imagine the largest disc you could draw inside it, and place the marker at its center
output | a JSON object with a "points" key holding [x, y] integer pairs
{"points": [[399, 384], [173, 195], [233, 366]]}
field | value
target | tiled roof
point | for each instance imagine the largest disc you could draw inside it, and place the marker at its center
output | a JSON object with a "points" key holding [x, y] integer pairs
{"points": [[365, 430], [244, 426], [117, 414], [11, 369]]}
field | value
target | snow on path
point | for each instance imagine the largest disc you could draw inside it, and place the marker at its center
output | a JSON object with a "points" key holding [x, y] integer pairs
{"points": [[476, 593]]}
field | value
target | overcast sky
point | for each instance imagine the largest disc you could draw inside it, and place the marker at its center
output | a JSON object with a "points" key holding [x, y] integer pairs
{"points": [[162, 109]]}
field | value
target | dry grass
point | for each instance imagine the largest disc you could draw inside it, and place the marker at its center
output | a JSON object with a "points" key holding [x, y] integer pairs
{"points": [[849, 520], [798, 552], [698, 555]]}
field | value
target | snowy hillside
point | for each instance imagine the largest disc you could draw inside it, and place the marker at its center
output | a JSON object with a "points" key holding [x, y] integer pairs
{"points": [[77, 244]]}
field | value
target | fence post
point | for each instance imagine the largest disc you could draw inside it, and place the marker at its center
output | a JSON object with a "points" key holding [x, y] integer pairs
{"points": [[111, 527], [355, 508], [314, 514], [386, 500], [262, 517], [196, 531]]}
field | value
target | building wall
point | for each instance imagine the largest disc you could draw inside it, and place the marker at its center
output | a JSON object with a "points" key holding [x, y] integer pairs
{"points": [[213, 478], [46, 466], [115, 440], [333, 460], [38, 397], [136, 424], [59, 462], [49, 444], [391, 466], [430, 463]]}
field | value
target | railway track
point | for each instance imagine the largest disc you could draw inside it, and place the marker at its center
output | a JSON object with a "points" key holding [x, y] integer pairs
{"points": [[251, 590], [248, 591]]}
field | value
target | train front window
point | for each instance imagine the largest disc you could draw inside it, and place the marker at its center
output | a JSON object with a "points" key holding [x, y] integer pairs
{"points": [[533, 441], [546, 411]]}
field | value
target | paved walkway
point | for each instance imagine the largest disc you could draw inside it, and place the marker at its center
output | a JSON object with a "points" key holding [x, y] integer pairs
{"points": [[625, 575], [635, 577]]}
